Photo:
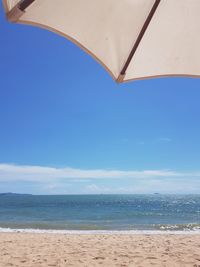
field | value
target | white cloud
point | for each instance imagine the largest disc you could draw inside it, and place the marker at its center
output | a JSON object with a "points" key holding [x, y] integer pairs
{"points": [[11, 172], [50, 180], [166, 186], [125, 140], [164, 139], [96, 189], [141, 143]]}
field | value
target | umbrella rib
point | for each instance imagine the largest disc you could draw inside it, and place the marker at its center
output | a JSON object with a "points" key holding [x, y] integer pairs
{"points": [[24, 4], [138, 40], [17, 11]]}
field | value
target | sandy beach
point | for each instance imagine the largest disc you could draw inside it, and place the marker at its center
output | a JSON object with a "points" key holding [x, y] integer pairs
{"points": [[41, 250]]}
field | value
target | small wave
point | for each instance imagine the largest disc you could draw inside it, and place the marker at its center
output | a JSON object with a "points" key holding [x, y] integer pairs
{"points": [[180, 227], [104, 232]]}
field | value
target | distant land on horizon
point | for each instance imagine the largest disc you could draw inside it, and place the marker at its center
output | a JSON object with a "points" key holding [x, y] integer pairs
{"points": [[11, 194]]}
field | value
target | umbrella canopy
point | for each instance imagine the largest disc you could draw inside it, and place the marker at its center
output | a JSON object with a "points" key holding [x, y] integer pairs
{"points": [[132, 39]]}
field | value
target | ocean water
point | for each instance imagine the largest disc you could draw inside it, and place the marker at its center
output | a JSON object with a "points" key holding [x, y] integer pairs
{"points": [[101, 212]]}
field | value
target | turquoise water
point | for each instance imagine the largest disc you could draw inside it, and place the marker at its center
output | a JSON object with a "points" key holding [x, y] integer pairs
{"points": [[101, 212]]}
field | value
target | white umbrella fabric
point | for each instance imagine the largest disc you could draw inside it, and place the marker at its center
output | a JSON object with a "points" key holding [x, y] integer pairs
{"points": [[132, 39]]}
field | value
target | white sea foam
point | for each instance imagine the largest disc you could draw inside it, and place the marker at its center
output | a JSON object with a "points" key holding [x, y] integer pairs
{"points": [[104, 232]]}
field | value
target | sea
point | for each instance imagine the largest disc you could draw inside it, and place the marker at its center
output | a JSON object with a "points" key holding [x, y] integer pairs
{"points": [[155, 213]]}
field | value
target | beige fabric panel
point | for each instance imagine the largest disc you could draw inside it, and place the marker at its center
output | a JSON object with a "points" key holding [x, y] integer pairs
{"points": [[106, 28], [9, 4], [171, 45]]}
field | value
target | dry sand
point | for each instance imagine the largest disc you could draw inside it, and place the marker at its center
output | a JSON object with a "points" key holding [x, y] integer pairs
{"points": [[24, 249]]}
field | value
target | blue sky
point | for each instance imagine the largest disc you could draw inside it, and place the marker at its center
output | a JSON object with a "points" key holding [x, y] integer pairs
{"points": [[66, 133]]}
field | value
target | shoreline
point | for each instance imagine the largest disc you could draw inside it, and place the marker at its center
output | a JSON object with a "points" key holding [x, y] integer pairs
{"points": [[101, 232]]}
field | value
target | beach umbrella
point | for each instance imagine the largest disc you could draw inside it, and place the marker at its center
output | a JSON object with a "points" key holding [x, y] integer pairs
{"points": [[132, 39]]}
